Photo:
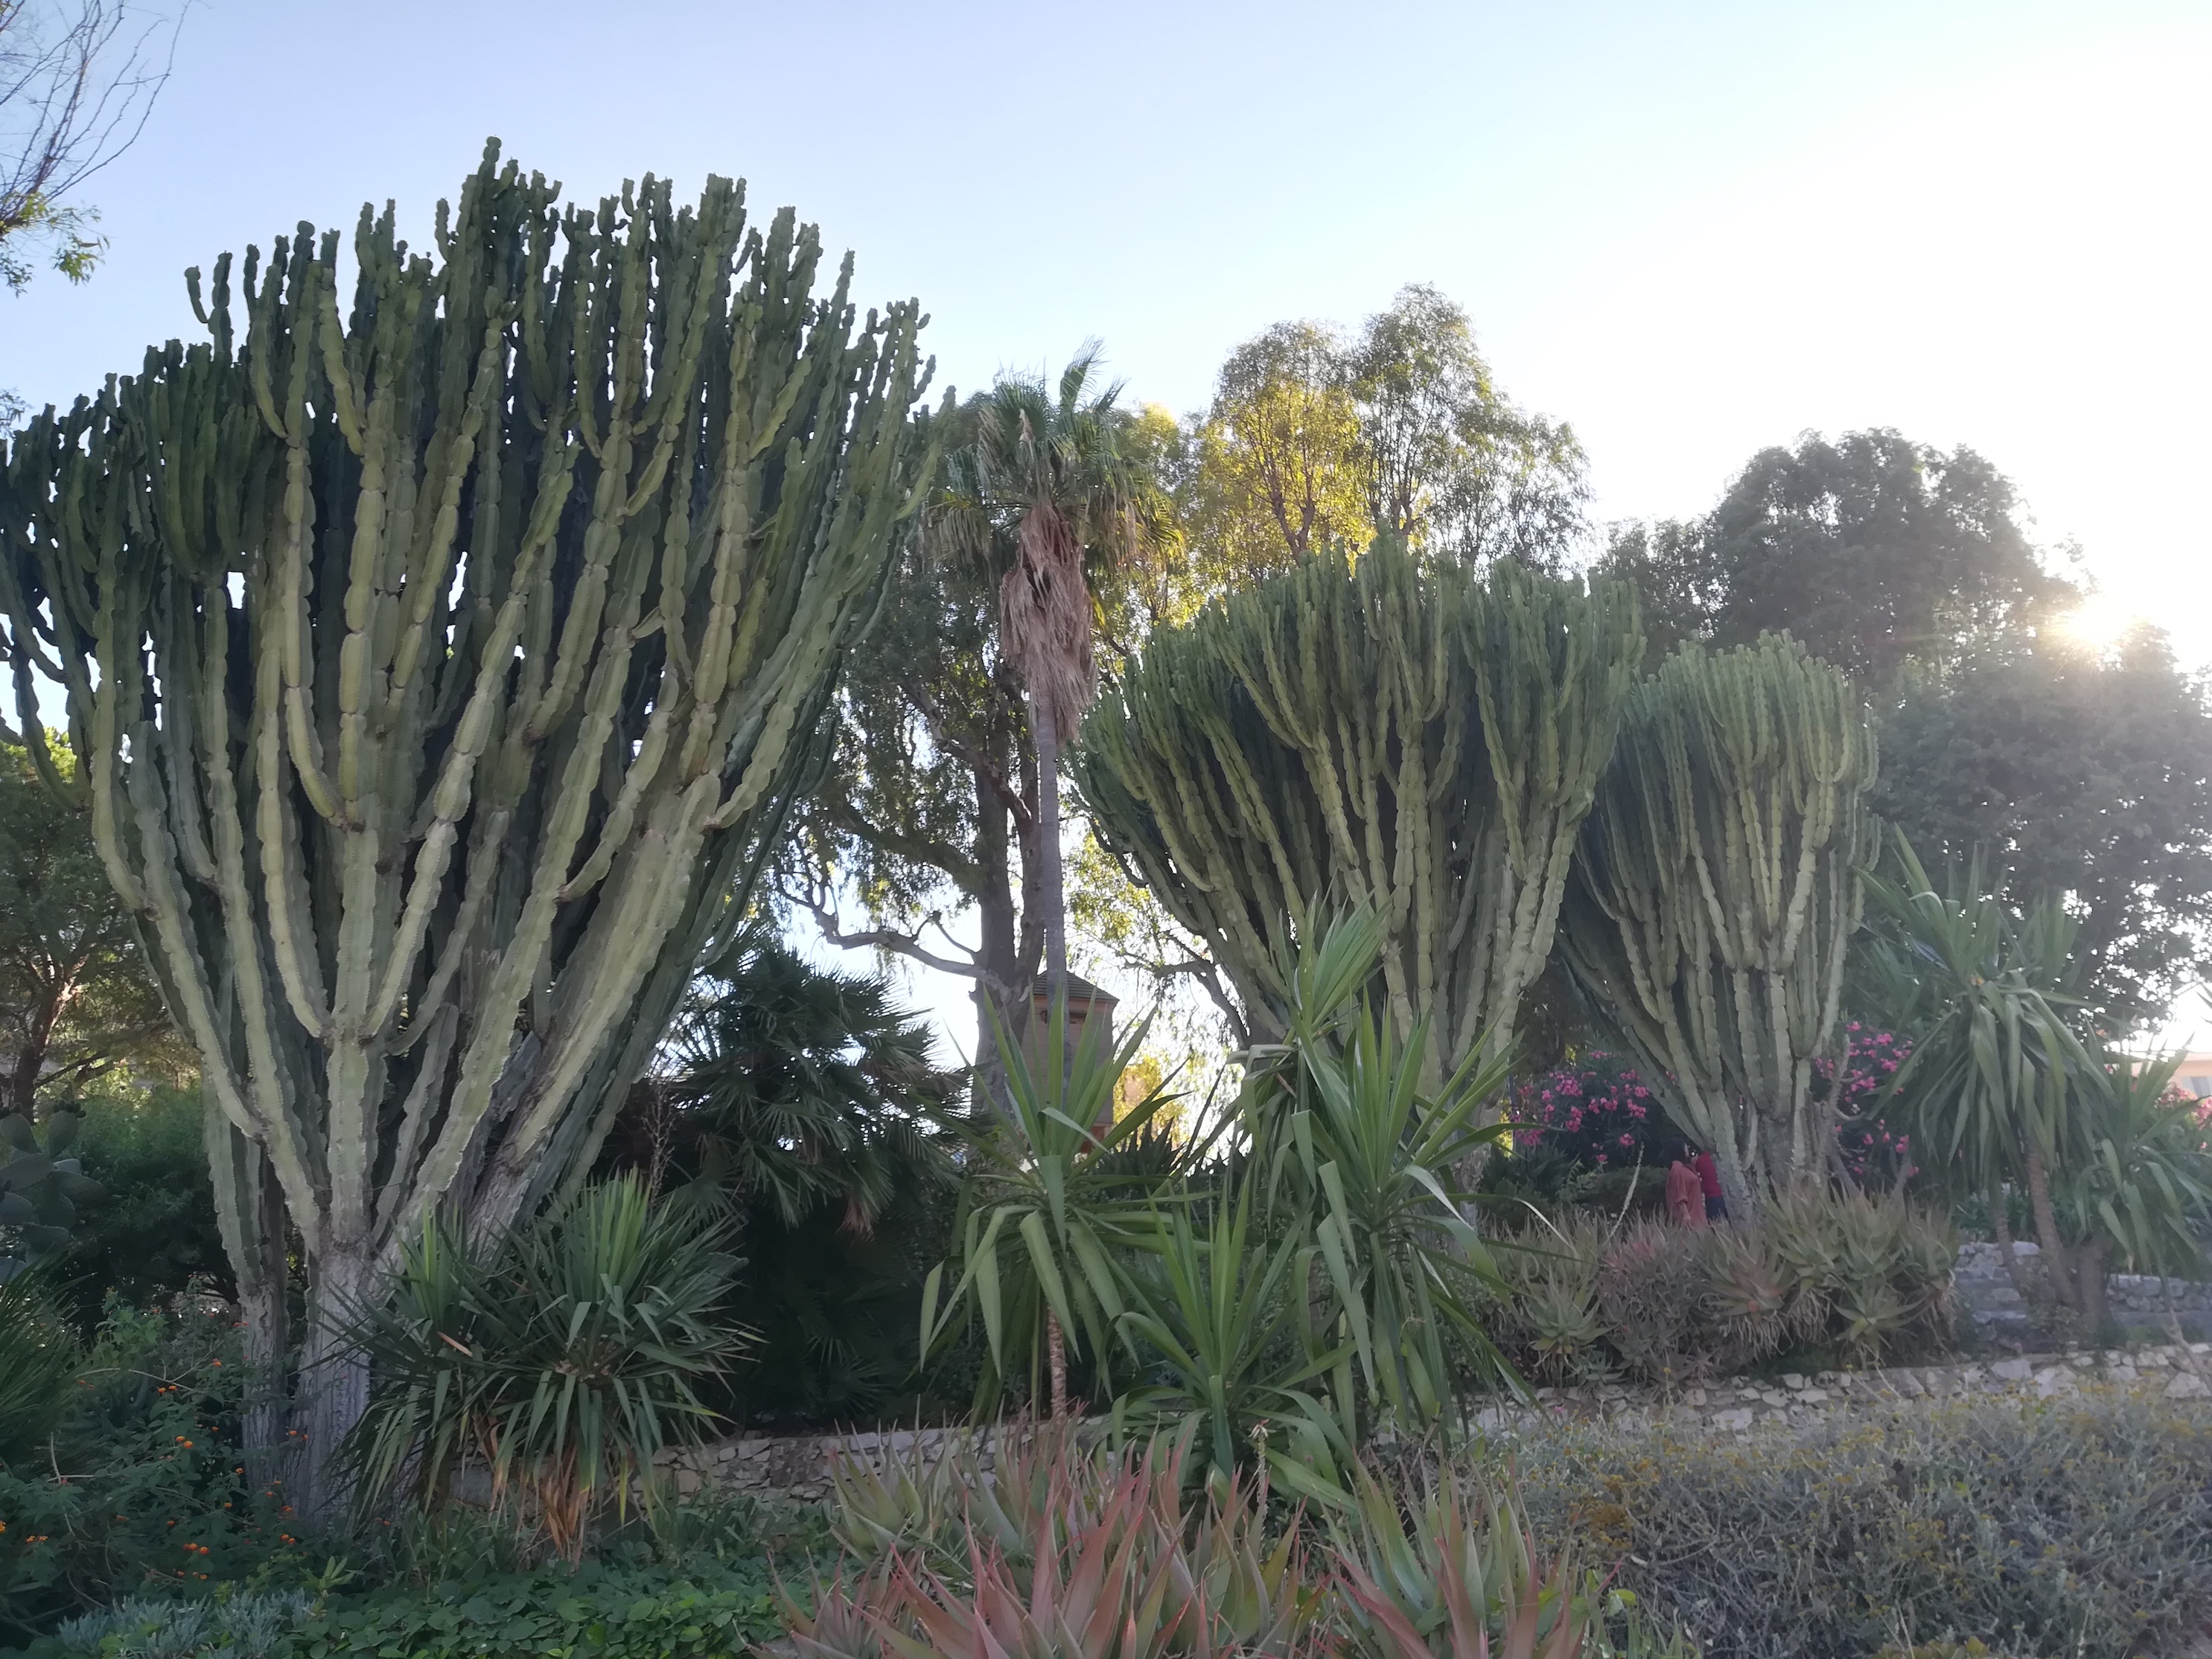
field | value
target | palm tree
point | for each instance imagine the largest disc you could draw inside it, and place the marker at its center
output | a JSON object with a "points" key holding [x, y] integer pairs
{"points": [[799, 1086], [1044, 487]]}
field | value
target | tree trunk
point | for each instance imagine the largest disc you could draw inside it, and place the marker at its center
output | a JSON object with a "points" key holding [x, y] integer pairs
{"points": [[334, 1378], [22, 1091], [2089, 1284], [1000, 998], [1055, 1350], [1051, 894], [2047, 1232], [2000, 1229]]}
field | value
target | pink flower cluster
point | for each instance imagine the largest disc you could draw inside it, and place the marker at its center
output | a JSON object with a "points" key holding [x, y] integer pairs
{"points": [[1872, 1151], [1594, 1109], [1597, 1111]]}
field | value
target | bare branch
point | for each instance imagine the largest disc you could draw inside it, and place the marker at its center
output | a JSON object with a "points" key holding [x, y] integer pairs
{"points": [[909, 945], [75, 90]]}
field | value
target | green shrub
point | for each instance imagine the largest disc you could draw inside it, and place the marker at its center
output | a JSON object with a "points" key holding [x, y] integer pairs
{"points": [[140, 1482], [2073, 1526], [154, 1233], [251, 1625], [711, 1608]]}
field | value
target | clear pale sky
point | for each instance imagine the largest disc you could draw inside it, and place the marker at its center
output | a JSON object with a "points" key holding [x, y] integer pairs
{"points": [[1690, 228]]}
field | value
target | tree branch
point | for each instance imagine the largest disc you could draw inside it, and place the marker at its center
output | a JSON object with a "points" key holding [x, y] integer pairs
{"points": [[932, 716], [909, 945]]}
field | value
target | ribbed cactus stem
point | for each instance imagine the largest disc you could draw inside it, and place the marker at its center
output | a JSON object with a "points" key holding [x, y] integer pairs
{"points": [[440, 666], [1715, 893], [1411, 737]]}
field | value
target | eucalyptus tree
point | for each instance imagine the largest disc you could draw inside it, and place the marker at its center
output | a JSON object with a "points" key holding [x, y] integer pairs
{"points": [[1715, 888], [1405, 736], [439, 666], [1041, 489]]}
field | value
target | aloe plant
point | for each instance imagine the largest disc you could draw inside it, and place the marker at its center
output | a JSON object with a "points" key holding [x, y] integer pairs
{"points": [[1464, 1570]]}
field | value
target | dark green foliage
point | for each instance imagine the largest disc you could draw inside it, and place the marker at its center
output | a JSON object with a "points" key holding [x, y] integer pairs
{"points": [[2066, 1526], [42, 1185], [796, 1087], [154, 1231], [1872, 550], [140, 1482], [804, 1104], [563, 1359], [703, 1610], [2076, 777], [833, 1313], [39, 1360]]}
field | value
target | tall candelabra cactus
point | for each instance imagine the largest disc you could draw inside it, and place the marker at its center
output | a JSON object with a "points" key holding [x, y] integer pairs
{"points": [[440, 664], [1408, 737], [1715, 893]]}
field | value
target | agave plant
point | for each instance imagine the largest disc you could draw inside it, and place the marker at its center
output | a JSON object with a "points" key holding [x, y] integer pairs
{"points": [[41, 1185], [565, 1360]]}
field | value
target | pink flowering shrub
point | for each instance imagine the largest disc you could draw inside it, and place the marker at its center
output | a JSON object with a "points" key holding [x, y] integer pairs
{"points": [[1594, 1109], [1598, 1111], [1875, 1154]]}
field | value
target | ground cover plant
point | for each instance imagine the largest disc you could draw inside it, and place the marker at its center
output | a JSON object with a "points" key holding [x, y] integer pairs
{"points": [[2074, 1525]]}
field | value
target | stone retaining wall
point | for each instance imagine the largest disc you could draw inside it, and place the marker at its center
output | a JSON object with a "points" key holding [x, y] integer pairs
{"points": [[2136, 1299], [797, 1467]]}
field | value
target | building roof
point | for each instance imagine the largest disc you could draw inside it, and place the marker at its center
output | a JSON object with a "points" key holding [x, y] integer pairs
{"points": [[1079, 989]]}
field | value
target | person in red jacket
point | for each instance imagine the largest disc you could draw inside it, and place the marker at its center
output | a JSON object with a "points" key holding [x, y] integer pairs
{"points": [[1709, 1177], [1685, 1194]]}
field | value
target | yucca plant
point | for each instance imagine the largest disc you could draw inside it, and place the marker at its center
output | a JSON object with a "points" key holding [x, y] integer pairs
{"points": [[563, 1361], [1047, 1211], [2144, 1187], [1998, 1074], [1343, 1131], [1215, 1309]]}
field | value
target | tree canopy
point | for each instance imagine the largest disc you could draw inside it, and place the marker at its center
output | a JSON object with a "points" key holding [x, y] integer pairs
{"points": [[77, 1000], [2081, 777], [1871, 550]]}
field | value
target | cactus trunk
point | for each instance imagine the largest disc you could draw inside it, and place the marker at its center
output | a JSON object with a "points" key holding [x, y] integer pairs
{"points": [[443, 664], [1715, 891]]}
